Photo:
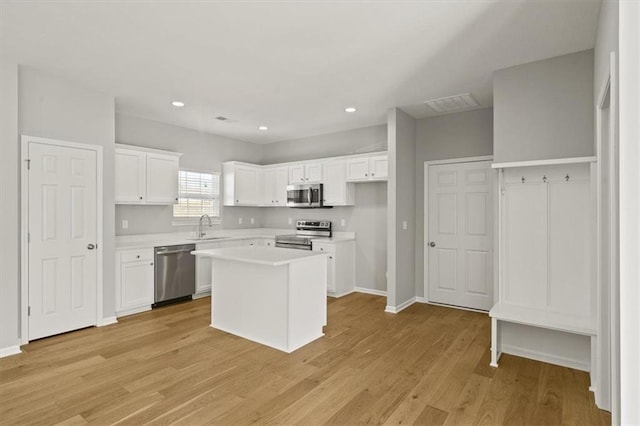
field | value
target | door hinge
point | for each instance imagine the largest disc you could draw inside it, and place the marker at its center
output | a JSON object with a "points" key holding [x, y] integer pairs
{"points": [[28, 164], [29, 311], [28, 237]]}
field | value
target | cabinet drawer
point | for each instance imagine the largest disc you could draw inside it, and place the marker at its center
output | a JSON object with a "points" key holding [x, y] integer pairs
{"points": [[136, 255], [324, 247]]}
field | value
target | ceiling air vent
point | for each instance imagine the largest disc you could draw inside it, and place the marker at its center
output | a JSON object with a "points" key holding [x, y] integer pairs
{"points": [[453, 103], [221, 118]]}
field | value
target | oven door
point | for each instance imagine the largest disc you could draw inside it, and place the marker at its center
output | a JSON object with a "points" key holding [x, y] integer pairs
{"points": [[305, 196]]}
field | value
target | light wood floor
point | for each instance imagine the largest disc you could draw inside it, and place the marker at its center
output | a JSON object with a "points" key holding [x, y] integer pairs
{"points": [[426, 365]]}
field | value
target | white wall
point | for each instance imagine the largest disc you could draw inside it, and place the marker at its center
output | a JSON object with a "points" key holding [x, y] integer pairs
{"points": [[9, 212], [401, 208], [464, 134], [368, 218], [203, 152], [544, 109]]}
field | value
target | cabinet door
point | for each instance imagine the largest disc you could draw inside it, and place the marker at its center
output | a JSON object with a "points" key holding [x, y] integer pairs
{"points": [[247, 184], [313, 173], [280, 187], [129, 176], [331, 268], [203, 268], [162, 179], [358, 169], [269, 193], [334, 189], [296, 173], [136, 281], [269, 242], [379, 167]]}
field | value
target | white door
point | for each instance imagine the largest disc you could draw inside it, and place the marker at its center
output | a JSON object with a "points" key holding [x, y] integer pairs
{"points": [[459, 249], [62, 237], [162, 178]]}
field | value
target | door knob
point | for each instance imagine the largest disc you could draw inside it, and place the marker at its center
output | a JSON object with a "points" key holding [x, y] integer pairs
{"points": [[432, 244], [91, 246]]}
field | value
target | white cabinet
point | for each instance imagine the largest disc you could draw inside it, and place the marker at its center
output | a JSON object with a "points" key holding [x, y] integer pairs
{"points": [[242, 184], [305, 173], [203, 270], [134, 281], [337, 192], [145, 176], [368, 168], [341, 273], [275, 182]]}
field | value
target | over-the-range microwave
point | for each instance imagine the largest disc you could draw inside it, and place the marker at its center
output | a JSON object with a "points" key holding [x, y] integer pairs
{"points": [[305, 195]]}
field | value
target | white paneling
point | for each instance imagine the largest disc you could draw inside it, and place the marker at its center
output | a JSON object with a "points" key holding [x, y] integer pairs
{"points": [[447, 213], [477, 177], [77, 213], [447, 178], [476, 213], [77, 278], [49, 285], [478, 277], [447, 268], [49, 212]]}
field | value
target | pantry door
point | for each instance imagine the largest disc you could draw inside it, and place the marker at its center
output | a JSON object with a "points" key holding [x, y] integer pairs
{"points": [[62, 242], [459, 243]]}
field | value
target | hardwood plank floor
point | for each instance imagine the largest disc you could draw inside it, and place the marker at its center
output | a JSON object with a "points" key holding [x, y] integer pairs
{"points": [[426, 365]]}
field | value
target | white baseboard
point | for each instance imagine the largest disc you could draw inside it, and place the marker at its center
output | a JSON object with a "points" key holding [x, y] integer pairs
{"points": [[133, 311], [420, 299], [107, 321], [10, 350], [337, 295], [395, 309], [201, 295], [371, 291], [546, 357]]}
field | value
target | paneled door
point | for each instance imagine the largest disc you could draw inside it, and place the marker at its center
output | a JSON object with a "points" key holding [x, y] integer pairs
{"points": [[62, 227], [460, 228]]}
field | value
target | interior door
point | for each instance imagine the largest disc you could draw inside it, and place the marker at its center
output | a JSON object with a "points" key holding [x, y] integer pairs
{"points": [[460, 245], [62, 239]]}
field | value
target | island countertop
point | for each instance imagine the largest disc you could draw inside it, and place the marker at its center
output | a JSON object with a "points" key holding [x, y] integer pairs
{"points": [[259, 255]]}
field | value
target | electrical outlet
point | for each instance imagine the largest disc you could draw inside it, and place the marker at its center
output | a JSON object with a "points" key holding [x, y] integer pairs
{"points": [[290, 221], [343, 222], [253, 221], [239, 221], [404, 225], [125, 224]]}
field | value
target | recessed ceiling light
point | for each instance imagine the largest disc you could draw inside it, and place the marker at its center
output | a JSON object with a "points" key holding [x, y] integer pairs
{"points": [[350, 109], [177, 104], [263, 128]]}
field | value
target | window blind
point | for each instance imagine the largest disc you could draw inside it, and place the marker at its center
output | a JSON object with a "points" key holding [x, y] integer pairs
{"points": [[198, 194]]}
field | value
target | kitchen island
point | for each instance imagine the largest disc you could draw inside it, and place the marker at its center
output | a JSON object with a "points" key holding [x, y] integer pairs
{"points": [[272, 296]]}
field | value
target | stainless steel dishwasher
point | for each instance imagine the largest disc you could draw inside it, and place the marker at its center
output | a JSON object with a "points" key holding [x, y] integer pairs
{"points": [[175, 272]]}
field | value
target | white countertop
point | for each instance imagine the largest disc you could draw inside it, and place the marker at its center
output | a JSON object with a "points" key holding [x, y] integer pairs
{"points": [[261, 255], [174, 238]]}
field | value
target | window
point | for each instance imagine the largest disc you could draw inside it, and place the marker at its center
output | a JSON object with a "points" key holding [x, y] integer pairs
{"points": [[198, 194]]}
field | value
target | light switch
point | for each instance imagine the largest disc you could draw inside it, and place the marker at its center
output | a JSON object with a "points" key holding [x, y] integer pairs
{"points": [[125, 224], [404, 225], [290, 221], [239, 221]]}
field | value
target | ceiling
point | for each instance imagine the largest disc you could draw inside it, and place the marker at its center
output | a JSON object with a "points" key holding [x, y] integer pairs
{"points": [[291, 66]]}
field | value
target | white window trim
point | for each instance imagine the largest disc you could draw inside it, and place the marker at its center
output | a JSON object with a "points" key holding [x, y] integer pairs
{"points": [[190, 221]]}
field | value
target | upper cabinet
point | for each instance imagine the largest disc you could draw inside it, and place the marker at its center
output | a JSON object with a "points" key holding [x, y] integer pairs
{"points": [[242, 184], [367, 168], [145, 176], [305, 173], [275, 186], [336, 190]]}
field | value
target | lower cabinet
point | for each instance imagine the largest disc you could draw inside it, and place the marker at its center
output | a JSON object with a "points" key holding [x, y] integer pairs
{"points": [[134, 281], [341, 273], [203, 270]]}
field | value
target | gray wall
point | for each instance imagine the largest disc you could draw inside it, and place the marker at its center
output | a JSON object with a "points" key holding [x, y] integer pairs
{"points": [[401, 207], [368, 218], [9, 200], [464, 134], [544, 109], [203, 152], [53, 108], [366, 139]]}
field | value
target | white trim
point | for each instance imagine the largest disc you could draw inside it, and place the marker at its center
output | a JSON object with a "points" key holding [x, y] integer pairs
{"points": [[145, 149], [545, 357], [425, 218], [10, 350], [550, 162], [404, 305], [132, 311], [337, 295], [107, 321], [420, 299], [462, 308], [206, 293], [24, 226], [371, 291]]}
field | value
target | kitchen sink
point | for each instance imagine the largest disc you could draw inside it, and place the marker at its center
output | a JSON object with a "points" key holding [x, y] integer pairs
{"points": [[207, 238]]}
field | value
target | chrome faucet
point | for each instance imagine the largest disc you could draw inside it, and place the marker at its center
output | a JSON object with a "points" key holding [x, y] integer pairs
{"points": [[200, 232]]}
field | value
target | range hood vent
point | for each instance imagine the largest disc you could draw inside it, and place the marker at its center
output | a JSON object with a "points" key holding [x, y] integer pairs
{"points": [[453, 103]]}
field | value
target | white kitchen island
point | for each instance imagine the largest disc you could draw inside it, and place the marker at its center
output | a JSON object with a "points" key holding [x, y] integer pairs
{"points": [[273, 296]]}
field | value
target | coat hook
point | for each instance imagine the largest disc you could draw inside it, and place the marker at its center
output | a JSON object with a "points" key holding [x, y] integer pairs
{"points": [[544, 178], [523, 179], [567, 177]]}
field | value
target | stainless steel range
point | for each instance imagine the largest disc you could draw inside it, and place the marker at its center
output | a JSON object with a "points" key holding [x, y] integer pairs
{"points": [[305, 231]]}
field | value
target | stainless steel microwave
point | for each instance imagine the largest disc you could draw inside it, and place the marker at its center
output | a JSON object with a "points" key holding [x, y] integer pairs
{"points": [[307, 195]]}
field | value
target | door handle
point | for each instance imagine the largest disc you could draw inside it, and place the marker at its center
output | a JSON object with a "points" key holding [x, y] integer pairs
{"points": [[432, 244], [91, 246]]}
